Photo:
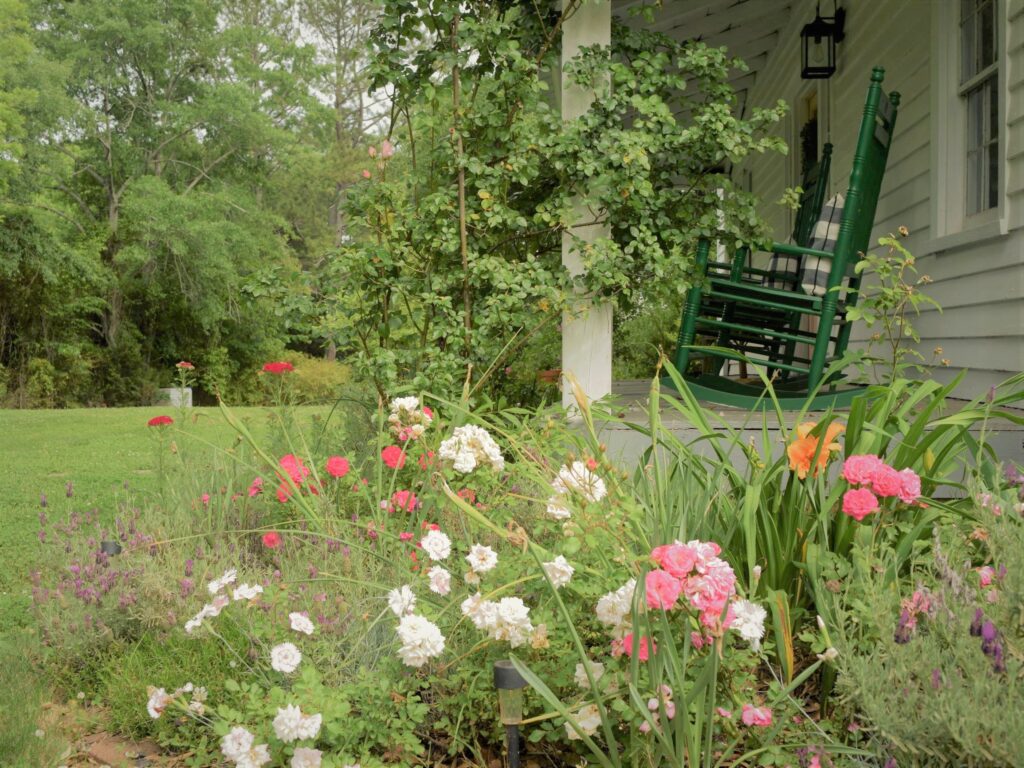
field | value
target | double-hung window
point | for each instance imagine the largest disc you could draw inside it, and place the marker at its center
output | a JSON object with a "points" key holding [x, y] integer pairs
{"points": [[979, 90]]}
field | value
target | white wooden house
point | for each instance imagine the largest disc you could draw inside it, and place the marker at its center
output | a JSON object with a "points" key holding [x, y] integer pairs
{"points": [[955, 175]]}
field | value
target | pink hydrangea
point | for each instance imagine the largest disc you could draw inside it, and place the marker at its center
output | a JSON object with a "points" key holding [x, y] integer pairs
{"points": [[860, 469], [663, 590], [910, 486], [886, 481], [759, 716], [858, 503]]}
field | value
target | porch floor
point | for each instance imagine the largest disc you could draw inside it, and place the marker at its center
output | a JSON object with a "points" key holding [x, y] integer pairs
{"points": [[626, 445]]}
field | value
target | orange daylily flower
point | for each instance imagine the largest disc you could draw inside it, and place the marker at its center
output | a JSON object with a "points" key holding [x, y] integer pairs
{"points": [[801, 451]]}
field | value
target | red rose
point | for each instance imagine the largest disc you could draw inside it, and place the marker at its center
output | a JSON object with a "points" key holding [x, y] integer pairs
{"points": [[160, 421], [278, 368], [393, 456], [272, 540], [184, 365], [337, 466]]}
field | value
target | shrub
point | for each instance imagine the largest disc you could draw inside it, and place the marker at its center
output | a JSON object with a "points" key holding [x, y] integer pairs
{"points": [[933, 665]]}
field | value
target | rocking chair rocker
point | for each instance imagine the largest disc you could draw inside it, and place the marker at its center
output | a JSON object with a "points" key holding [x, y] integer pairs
{"points": [[755, 320]]}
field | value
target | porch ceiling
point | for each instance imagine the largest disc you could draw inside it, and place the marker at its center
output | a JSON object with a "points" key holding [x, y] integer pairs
{"points": [[750, 29]]}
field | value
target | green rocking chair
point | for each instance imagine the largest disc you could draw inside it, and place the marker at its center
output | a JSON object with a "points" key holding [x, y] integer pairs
{"points": [[752, 319]]}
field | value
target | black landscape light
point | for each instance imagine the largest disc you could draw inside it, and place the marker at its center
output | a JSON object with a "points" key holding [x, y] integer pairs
{"points": [[110, 548], [818, 44], [510, 686]]}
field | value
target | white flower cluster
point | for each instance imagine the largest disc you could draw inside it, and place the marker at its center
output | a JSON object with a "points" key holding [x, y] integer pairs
{"points": [[401, 600], [614, 609], [574, 479], [221, 601], [306, 757], [748, 621], [301, 623], [596, 669], [440, 580], [508, 619], [285, 658], [247, 592], [407, 421], [240, 748], [228, 577], [159, 699], [471, 446], [421, 640], [208, 611], [589, 720], [481, 559], [437, 545], [291, 725], [559, 571]]}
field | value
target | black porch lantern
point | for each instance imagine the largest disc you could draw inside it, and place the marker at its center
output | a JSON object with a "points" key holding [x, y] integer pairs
{"points": [[818, 44]]}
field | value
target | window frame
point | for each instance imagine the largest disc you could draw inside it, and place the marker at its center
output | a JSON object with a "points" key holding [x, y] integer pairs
{"points": [[951, 224]]}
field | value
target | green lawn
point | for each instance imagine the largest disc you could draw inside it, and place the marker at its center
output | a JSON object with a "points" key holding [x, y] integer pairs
{"points": [[99, 451]]}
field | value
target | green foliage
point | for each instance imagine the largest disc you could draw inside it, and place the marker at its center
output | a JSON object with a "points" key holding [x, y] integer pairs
{"points": [[457, 238], [891, 300], [921, 647], [152, 162]]}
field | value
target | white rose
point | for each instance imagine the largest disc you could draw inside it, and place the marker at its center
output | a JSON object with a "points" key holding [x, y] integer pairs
{"points": [[285, 658]]}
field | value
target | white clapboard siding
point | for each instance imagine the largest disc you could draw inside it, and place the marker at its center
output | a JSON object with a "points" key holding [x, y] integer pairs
{"points": [[1015, 112]]}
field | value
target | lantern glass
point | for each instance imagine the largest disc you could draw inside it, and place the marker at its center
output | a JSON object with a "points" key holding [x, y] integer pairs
{"points": [[510, 705], [510, 686]]}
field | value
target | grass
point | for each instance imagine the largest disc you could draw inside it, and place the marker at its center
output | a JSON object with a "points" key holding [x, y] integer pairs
{"points": [[108, 456], [104, 453]]}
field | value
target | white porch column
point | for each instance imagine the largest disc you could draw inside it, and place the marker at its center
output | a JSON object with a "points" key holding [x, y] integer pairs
{"points": [[586, 327]]}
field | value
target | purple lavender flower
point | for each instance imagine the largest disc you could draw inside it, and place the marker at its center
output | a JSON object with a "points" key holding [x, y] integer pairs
{"points": [[187, 587], [998, 663], [904, 628], [979, 617], [189, 565], [43, 502], [70, 489]]}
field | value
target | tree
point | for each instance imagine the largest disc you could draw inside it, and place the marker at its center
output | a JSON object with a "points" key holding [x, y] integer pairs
{"points": [[456, 262]]}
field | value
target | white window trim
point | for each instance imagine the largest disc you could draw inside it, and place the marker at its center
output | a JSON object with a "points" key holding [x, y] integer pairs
{"points": [[950, 226]]}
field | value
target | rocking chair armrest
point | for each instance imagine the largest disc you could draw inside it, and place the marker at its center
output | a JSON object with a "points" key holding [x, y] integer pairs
{"points": [[795, 250]]}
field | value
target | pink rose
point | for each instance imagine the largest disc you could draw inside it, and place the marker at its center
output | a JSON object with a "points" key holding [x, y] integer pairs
{"points": [[910, 486], [663, 590], [861, 468], [761, 716], [386, 149], [887, 481], [722, 712], [337, 466], [858, 503], [393, 456], [644, 648], [986, 574], [678, 559]]}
